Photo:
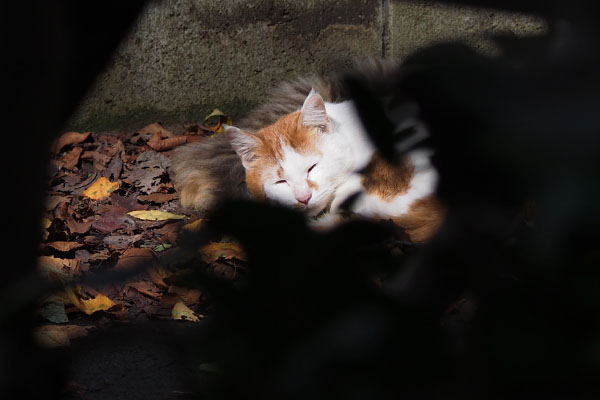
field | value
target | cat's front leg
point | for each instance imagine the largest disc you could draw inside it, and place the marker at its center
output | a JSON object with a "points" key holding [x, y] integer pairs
{"points": [[352, 187]]}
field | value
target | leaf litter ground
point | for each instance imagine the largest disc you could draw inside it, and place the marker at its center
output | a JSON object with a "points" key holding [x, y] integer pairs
{"points": [[111, 208]]}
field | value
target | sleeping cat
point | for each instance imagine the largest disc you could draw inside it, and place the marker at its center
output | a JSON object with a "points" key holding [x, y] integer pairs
{"points": [[304, 152]]}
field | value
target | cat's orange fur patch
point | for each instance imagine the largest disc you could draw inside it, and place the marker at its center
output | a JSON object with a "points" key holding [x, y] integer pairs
{"points": [[387, 180], [423, 219]]}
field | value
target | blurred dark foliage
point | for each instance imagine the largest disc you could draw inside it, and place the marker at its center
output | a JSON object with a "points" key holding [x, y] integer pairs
{"points": [[52, 52], [517, 146], [516, 141]]}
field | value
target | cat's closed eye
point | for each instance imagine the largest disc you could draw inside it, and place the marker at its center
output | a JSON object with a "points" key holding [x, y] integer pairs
{"points": [[280, 181], [311, 168]]}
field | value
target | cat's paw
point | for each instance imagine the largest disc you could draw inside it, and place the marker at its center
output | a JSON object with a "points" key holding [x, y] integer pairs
{"points": [[326, 221]]}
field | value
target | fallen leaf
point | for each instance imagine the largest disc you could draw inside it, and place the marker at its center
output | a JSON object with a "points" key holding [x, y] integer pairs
{"points": [[64, 246], [115, 166], [78, 227], [215, 250], [134, 258], [146, 288], [68, 138], [54, 311], [159, 198], [121, 241], [182, 312], [157, 142], [154, 215], [128, 203], [53, 201], [52, 336], [101, 160], [74, 183], [194, 226], [89, 306], [150, 167], [162, 247], [45, 225], [113, 220], [71, 159], [101, 189], [157, 276], [64, 269], [169, 233], [221, 118]]}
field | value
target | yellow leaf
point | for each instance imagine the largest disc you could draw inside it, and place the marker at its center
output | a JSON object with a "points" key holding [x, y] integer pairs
{"points": [[221, 117], [181, 311], [90, 306], [45, 225], [154, 215], [101, 189]]}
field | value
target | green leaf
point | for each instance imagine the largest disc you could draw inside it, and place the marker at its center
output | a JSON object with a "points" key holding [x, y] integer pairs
{"points": [[162, 247]]}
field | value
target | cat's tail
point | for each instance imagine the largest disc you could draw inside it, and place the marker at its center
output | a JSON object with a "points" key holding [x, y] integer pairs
{"points": [[208, 172]]}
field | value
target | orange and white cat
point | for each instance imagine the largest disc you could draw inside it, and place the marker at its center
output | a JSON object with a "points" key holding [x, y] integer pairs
{"points": [[316, 158], [307, 149]]}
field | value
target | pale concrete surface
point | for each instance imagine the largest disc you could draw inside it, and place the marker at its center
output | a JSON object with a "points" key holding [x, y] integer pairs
{"points": [[186, 57]]}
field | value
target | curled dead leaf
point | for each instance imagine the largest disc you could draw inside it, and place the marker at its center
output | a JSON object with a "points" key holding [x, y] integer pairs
{"points": [[220, 117], [157, 142]]}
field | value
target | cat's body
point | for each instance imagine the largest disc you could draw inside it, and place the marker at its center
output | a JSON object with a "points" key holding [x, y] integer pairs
{"points": [[311, 154]]}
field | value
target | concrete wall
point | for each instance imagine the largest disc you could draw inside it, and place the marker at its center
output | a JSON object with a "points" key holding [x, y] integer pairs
{"points": [[186, 57]]}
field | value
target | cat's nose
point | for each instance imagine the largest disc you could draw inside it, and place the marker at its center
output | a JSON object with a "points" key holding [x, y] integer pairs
{"points": [[304, 199]]}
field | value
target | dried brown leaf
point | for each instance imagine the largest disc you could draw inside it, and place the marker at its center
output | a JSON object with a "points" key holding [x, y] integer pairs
{"points": [[64, 246], [159, 198], [58, 267], [146, 288], [134, 258], [159, 144], [71, 159], [78, 227], [69, 138]]}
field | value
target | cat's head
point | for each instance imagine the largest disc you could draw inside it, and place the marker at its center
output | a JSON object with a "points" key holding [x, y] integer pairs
{"points": [[287, 162]]}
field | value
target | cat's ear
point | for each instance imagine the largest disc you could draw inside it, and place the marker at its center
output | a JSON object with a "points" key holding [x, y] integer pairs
{"points": [[244, 144], [313, 112]]}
